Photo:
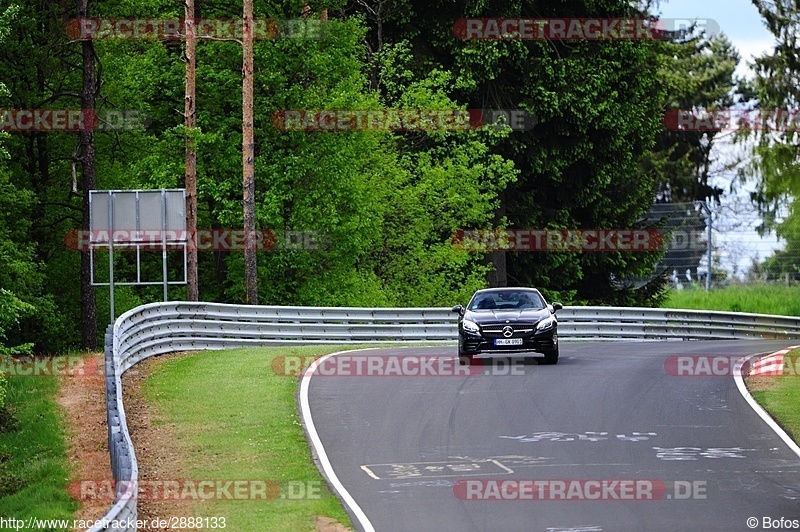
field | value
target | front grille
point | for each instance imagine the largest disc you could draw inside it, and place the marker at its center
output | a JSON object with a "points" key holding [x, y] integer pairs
{"points": [[515, 324], [495, 330]]}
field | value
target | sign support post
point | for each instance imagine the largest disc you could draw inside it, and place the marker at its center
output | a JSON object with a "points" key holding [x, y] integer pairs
{"points": [[137, 220]]}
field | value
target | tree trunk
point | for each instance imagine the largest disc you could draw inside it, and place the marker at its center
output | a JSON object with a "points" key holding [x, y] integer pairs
{"points": [[192, 293], [87, 159], [499, 275], [248, 158]]}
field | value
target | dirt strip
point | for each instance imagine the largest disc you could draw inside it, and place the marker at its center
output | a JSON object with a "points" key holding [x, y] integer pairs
{"points": [[82, 396], [159, 454]]}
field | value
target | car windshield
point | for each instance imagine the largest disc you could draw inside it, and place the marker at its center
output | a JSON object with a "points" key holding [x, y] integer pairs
{"points": [[507, 300]]}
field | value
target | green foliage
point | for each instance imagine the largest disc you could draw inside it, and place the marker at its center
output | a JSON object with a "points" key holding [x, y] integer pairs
{"points": [[383, 205], [598, 106], [699, 75], [17, 273], [34, 466], [775, 165], [759, 299], [34, 204]]}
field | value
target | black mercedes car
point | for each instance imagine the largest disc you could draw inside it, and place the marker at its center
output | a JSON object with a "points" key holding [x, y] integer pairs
{"points": [[508, 320]]}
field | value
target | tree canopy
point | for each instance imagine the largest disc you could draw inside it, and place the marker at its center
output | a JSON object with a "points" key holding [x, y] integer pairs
{"points": [[382, 206]]}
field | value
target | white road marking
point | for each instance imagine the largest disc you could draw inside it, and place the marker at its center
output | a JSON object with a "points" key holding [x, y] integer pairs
{"points": [[737, 376], [484, 467], [589, 528], [305, 411], [586, 436], [695, 453]]}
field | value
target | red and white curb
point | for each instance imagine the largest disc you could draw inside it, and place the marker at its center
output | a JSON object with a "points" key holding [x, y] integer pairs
{"points": [[768, 362], [770, 365]]}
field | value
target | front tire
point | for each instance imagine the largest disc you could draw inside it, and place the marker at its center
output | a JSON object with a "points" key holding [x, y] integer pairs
{"points": [[551, 357], [465, 359]]}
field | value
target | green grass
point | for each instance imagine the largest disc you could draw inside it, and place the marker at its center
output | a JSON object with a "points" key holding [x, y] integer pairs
{"points": [[34, 469], [238, 420], [759, 299], [782, 400]]}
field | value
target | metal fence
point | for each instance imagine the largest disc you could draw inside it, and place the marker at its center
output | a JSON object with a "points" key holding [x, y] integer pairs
{"points": [[688, 246], [161, 328]]}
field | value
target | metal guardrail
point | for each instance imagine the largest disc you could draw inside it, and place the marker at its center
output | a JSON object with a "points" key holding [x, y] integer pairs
{"points": [[180, 326], [615, 323]]}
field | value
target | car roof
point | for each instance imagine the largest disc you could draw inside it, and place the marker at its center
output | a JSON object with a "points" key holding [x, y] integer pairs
{"points": [[507, 288]]}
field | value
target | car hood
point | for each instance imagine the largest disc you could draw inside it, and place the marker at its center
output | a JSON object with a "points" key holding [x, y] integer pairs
{"points": [[495, 316]]}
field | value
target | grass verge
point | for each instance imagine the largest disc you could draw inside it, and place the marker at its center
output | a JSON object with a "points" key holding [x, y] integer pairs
{"points": [[34, 468], [760, 299], [780, 396], [240, 415]]}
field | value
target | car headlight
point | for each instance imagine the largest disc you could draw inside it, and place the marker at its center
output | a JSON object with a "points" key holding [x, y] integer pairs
{"points": [[545, 324], [470, 326]]}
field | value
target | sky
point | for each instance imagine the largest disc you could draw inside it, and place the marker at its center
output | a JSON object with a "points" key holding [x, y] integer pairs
{"points": [[738, 19], [736, 221]]}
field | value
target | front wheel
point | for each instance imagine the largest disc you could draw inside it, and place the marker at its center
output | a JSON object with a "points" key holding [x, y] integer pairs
{"points": [[465, 359], [551, 357]]}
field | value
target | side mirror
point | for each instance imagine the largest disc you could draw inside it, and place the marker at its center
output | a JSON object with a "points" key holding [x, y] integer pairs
{"points": [[557, 307], [458, 309]]}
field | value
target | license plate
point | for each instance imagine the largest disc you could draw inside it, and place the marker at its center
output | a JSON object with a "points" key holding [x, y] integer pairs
{"points": [[508, 341]]}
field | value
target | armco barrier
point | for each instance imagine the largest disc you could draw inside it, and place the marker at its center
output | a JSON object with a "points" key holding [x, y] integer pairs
{"points": [[180, 326]]}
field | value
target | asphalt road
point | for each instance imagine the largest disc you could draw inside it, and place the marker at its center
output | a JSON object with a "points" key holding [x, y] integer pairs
{"points": [[430, 453]]}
